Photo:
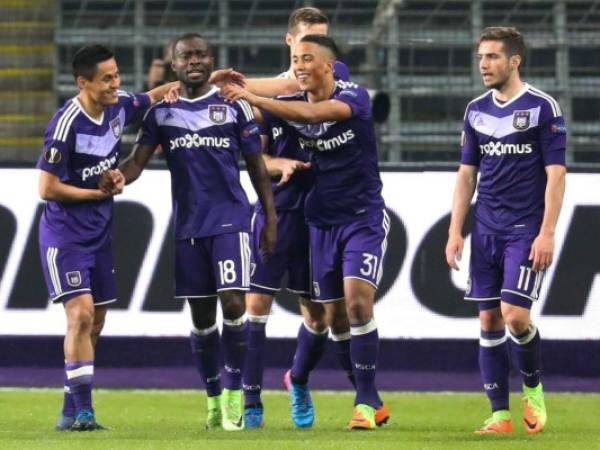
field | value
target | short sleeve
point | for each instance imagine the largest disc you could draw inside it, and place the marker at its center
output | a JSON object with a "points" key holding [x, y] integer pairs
{"points": [[135, 105], [553, 135], [341, 71], [469, 153], [356, 97], [58, 142], [248, 130], [148, 134]]}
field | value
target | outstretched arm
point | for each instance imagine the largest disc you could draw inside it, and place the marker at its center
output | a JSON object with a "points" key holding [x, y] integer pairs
{"points": [[265, 87], [466, 181], [262, 186], [168, 91], [51, 188], [129, 170]]}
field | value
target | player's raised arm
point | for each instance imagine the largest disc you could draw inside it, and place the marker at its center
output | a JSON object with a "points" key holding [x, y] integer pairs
{"points": [[168, 92], [466, 181], [297, 111], [264, 87]]}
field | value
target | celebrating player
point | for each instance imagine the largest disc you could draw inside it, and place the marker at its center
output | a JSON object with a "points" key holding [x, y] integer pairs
{"points": [[283, 157], [202, 136], [81, 141], [344, 207], [515, 136]]}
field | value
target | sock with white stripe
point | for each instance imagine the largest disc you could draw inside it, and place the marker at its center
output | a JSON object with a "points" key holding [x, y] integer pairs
{"points": [[69, 409], [526, 348], [233, 342], [252, 376], [310, 346], [206, 349], [364, 346], [80, 376], [341, 342], [494, 366]]}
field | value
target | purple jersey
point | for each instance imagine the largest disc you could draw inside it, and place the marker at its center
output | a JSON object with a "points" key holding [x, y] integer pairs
{"points": [[77, 149], [202, 139], [343, 154], [511, 143]]}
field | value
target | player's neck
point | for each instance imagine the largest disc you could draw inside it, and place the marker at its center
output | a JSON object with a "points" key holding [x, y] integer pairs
{"points": [[510, 90], [192, 92], [91, 108], [323, 92]]}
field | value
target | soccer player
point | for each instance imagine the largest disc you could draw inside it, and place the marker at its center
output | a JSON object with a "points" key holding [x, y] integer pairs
{"points": [[344, 207], [284, 157], [515, 136], [202, 136], [81, 141]]}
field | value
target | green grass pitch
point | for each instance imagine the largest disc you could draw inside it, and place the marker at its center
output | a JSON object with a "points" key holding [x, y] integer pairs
{"points": [[153, 419]]}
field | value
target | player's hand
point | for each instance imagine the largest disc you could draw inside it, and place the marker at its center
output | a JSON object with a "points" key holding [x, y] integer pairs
{"points": [[172, 94], [233, 92], [288, 167], [226, 76], [105, 182], [268, 239], [542, 252], [454, 249], [118, 180]]}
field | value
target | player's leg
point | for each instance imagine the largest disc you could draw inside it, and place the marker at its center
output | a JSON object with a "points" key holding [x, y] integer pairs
{"points": [[258, 308], [194, 282], [230, 257], [520, 289], [485, 281], [339, 326]]}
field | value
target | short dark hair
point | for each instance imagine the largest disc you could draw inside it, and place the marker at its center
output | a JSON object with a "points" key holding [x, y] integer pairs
{"points": [[185, 37], [85, 60], [307, 15], [511, 38], [323, 41]]}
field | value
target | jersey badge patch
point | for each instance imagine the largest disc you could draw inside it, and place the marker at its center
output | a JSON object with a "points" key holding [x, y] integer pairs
{"points": [[53, 155], [115, 126], [217, 114], [521, 120], [74, 278]]}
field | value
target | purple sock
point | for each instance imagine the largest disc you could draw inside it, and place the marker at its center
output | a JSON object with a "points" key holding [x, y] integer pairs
{"points": [[80, 375], [363, 353], [526, 348], [233, 342], [69, 409], [494, 366], [254, 365], [309, 350], [341, 343], [205, 351]]}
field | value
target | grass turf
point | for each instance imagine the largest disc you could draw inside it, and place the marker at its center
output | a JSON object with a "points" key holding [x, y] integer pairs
{"points": [[174, 420]]}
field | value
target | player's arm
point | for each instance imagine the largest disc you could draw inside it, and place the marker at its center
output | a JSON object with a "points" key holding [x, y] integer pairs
{"points": [[296, 111], [466, 181], [129, 170], [262, 185], [51, 188], [265, 87], [168, 91], [542, 249]]}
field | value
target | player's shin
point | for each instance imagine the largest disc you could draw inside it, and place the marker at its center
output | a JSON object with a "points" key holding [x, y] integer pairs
{"points": [[494, 366], [309, 350], [233, 341], [205, 351], [364, 346], [341, 342], [526, 348], [254, 365]]}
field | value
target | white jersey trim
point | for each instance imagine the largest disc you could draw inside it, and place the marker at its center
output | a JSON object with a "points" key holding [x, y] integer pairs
{"points": [[556, 111]]}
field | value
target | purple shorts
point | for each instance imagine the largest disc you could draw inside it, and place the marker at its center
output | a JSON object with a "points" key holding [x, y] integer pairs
{"points": [[351, 250], [69, 274], [291, 255], [207, 265], [500, 270]]}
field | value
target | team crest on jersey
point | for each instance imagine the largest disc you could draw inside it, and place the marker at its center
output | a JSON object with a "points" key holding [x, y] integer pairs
{"points": [[115, 126], [521, 120], [217, 114], [74, 278], [52, 155]]}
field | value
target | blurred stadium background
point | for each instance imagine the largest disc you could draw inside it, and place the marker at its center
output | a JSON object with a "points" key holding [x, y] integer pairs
{"points": [[419, 52]]}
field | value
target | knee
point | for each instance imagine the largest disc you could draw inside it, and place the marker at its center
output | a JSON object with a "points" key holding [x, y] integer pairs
{"points": [[359, 311], [491, 320], [314, 316], [233, 305], [517, 323], [339, 324], [81, 321], [97, 327]]}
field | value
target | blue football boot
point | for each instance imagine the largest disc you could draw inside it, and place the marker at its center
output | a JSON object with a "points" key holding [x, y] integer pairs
{"points": [[253, 416]]}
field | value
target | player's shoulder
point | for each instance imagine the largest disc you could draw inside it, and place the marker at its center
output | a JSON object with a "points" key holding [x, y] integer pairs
{"points": [[62, 122], [341, 71], [544, 99], [349, 89], [480, 100]]}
